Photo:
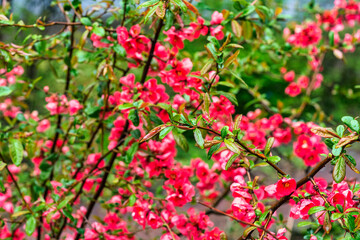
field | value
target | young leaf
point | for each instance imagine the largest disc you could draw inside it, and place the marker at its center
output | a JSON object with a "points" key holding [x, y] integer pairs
{"points": [[132, 200], [86, 21], [274, 159], [212, 150], [339, 170], [148, 3], [324, 132], [30, 226], [152, 133], [354, 125], [224, 131], [4, 91], [232, 146], [336, 216], [316, 209], [347, 120], [16, 151], [236, 28], [230, 161], [181, 4], [199, 138], [340, 130], [2, 165], [269, 145], [336, 150], [165, 131]]}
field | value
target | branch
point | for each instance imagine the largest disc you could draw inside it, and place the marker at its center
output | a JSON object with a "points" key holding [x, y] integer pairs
{"points": [[238, 220], [152, 49]]}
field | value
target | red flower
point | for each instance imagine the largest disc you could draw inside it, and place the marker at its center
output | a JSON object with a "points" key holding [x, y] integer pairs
{"points": [[285, 186], [293, 89]]}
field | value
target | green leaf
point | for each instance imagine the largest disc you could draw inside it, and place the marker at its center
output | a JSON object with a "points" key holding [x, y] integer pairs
{"points": [[4, 91], [331, 38], [269, 145], [347, 120], [230, 96], [2, 165], [263, 216], [169, 20], [214, 41], [199, 138], [305, 224], [316, 209], [134, 117], [68, 214], [247, 11], [100, 31], [354, 125], [125, 106], [120, 50], [232, 146], [230, 161], [181, 4], [2, 187], [86, 21], [351, 159], [165, 131], [131, 152], [340, 208], [237, 77], [212, 49], [148, 3], [336, 151], [351, 221], [149, 14], [136, 133], [132, 200], [66, 200], [340, 130], [339, 170], [224, 131], [20, 213], [16, 150], [181, 141], [212, 150], [30, 226], [274, 159], [336, 216]]}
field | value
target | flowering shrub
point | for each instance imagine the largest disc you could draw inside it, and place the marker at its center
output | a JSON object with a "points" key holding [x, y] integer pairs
{"points": [[100, 158]]}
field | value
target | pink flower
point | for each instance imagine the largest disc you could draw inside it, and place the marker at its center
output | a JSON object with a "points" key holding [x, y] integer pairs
{"points": [[97, 41], [182, 195], [74, 106], [289, 76], [305, 35], [285, 186], [293, 89], [122, 35], [43, 125], [243, 210], [153, 220], [217, 32], [303, 81], [216, 18], [169, 236], [199, 28]]}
